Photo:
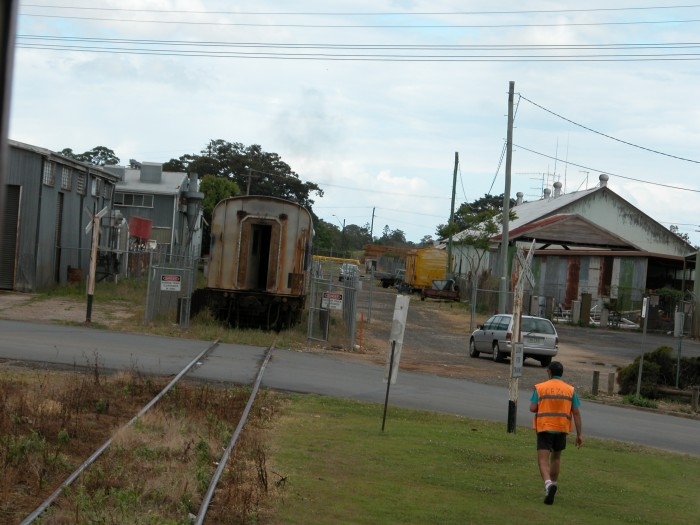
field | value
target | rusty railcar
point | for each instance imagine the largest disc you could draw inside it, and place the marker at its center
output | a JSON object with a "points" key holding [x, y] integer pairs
{"points": [[259, 262]]}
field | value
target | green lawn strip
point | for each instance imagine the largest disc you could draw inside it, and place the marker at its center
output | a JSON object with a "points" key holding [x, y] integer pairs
{"points": [[431, 468]]}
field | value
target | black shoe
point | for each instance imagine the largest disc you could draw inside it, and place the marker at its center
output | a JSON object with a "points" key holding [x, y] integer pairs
{"points": [[551, 492]]}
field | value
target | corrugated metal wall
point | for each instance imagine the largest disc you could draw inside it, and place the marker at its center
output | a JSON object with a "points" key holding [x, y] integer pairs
{"points": [[51, 225], [25, 171]]}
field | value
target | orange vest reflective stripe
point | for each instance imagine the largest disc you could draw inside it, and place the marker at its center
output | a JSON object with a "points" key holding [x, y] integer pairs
{"points": [[555, 399]]}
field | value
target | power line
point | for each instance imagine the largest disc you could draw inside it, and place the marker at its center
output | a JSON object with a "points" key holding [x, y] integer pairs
{"points": [[369, 26], [368, 13], [607, 172], [609, 136], [364, 57], [368, 47]]}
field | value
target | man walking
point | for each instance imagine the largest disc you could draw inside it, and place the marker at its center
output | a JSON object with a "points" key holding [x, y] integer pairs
{"points": [[555, 405]]}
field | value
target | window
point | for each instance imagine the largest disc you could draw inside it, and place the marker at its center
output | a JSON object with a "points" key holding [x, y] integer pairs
{"points": [[108, 189], [96, 186], [136, 200], [81, 183], [48, 178], [66, 178]]}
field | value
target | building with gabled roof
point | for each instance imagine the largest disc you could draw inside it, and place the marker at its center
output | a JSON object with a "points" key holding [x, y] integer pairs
{"points": [[169, 201], [49, 202], [587, 242]]}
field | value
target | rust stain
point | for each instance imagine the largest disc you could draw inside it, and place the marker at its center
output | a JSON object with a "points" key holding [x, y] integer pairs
{"points": [[572, 276]]}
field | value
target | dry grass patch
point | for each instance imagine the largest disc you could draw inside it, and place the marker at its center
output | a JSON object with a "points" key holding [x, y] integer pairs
{"points": [[156, 471]]}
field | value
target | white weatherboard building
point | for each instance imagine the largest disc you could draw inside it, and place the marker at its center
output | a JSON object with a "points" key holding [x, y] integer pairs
{"points": [[587, 242]]}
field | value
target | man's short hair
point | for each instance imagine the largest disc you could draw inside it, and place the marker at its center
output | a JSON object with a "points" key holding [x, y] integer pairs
{"points": [[556, 368]]}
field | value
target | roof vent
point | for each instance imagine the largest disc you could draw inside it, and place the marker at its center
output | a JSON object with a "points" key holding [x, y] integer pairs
{"points": [[547, 193], [151, 172], [519, 198], [557, 189], [603, 178]]}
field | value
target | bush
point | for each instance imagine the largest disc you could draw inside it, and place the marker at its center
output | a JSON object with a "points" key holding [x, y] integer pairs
{"points": [[659, 370]]}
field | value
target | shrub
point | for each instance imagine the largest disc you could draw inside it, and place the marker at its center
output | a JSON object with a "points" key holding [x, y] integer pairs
{"points": [[658, 370]]}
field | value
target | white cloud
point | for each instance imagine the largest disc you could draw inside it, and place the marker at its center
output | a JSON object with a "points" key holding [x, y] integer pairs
{"points": [[378, 135]]}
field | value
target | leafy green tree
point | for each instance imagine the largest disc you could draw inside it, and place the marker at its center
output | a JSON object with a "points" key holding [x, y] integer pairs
{"points": [[254, 171], [396, 238], [464, 214], [99, 156], [675, 230], [215, 189], [427, 240]]}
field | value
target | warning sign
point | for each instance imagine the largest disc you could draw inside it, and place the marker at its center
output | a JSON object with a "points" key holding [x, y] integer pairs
{"points": [[170, 283], [332, 300]]}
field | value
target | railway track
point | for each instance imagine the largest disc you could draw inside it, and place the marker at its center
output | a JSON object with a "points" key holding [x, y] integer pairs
{"points": [[196, 363]]}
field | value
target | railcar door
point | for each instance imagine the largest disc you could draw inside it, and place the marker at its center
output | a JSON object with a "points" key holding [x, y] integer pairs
{"points": [[257, 269], [258, 256]]}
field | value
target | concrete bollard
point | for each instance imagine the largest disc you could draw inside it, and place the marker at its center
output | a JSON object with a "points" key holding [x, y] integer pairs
{"points": [[596, 381], [611, 383]]}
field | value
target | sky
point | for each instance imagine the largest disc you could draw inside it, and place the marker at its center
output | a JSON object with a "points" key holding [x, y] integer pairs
{"points": [[374, 100]]}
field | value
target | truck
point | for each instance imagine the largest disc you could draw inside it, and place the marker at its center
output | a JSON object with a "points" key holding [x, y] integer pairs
{"points": [[441, 289], [423, 266], [390, 279]]}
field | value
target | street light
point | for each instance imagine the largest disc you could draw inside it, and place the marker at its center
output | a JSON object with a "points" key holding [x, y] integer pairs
{"points": [[342, 237]]}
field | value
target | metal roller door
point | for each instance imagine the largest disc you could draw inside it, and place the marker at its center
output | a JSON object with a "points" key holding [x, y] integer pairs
{"points": [[8, 240]]}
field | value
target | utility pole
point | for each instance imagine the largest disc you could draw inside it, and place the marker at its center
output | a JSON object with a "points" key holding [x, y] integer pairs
{"points": [[452, 217], [371, 227], [503, 295]]}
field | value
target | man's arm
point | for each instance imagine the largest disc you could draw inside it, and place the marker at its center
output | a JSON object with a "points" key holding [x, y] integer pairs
{"points": [[579, 426]]}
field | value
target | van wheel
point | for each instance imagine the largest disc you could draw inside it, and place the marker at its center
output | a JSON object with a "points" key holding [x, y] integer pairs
{"points": [[497, 355], [473, 352], [545, 361]]}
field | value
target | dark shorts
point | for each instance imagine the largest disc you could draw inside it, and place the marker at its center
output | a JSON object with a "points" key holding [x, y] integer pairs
{"points": [[553, 441]]}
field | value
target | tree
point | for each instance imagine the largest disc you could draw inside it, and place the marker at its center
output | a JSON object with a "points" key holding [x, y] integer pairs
{"points": [[479, 221], [427, 240], [215, 189], [396, 238], [251, 168], [487, 203], [99, 156], [674, 229]]}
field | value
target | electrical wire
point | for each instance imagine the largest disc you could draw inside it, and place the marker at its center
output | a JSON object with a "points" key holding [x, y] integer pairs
{"points": [[609, 136], [368, 26], [341, 13], [607, 172]]}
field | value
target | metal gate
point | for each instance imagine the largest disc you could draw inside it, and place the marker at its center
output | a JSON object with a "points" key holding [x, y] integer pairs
{"points": [[333, 311], [171, 280]]}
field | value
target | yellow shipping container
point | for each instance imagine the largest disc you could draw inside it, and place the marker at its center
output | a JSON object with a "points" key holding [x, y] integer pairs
{"points": [[425, 265]]}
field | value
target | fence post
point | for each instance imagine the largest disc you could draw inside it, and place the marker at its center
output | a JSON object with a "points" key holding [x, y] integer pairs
{"points": [[694, 398], [611, 383], [596, 381]]}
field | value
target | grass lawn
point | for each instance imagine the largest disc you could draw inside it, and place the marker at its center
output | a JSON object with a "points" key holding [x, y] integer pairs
{"points": [[333, 464]]}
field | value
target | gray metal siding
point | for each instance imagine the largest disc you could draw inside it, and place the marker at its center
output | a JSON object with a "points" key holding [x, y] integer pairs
{"points": [[8, 242], [25, 171], [37, 241]]}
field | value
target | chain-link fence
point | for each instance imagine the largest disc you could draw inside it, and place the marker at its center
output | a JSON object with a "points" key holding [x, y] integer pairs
{"points": [[333, 300], [171, 281], [621, 308]]}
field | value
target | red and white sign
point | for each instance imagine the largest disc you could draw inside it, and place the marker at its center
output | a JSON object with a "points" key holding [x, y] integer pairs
{"points": [[332, 300], [170, 283]]}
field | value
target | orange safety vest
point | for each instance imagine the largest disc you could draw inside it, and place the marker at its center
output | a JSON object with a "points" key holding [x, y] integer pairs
{"points": [[555, 398]]}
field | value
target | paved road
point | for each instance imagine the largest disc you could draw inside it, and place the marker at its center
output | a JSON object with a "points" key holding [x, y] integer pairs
{"points": [[621, 347], [333, 375]]}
